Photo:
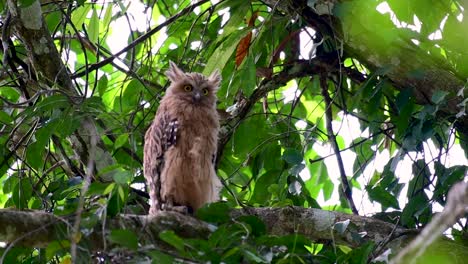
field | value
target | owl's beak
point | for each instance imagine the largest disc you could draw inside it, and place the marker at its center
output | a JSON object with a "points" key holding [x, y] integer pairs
{"points": [[196, 96]]}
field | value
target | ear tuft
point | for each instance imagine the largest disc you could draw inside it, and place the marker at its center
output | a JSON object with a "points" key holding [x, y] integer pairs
{"points": [[174, 73], [215, 78]]}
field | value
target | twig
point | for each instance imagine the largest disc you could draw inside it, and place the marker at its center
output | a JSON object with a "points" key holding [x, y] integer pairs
{"points": [[332, 138], [84, 190]]}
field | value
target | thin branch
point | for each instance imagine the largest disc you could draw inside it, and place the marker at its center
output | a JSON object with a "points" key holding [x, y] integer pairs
{"points": [[456, 207], [331, 136], [355, 144]]}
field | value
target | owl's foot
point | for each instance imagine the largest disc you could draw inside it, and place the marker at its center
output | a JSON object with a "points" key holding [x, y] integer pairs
{"points": [[169, 205], [178, 208], [183, 209]]}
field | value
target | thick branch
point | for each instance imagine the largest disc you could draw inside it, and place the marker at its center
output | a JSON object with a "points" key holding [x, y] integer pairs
{"points": [[37, 228]]}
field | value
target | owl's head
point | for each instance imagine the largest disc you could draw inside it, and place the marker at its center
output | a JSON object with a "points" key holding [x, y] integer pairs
{"points": [[194, 88]]}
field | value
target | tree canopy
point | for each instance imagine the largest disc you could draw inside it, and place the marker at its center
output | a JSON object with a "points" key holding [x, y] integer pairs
{"points": [[344, 126]]}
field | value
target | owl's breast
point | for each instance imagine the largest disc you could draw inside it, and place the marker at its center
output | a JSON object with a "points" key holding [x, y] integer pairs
{"points": [[197, 132], [201, 136]]}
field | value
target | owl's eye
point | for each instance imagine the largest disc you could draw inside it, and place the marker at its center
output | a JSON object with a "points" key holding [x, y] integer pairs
{"points": [[188, 88], [205, 91]]}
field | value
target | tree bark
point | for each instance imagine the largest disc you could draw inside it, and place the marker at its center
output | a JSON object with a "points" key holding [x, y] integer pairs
{"points": [[38, 228]]}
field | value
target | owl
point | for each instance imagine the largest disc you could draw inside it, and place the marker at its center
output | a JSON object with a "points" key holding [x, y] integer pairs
{"points": [[181, 143]]}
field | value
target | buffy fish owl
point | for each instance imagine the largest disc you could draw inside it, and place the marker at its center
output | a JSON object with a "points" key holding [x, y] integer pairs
{"points": [[181, 143]]}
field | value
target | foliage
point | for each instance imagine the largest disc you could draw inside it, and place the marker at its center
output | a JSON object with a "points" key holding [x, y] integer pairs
{"points": [[275, 145]]}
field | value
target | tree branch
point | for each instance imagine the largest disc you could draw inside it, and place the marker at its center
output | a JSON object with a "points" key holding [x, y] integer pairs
{"points": [[37, 228], [456, 207], [347, 191]]}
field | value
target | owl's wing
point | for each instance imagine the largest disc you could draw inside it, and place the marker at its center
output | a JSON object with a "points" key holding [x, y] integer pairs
{"points": [[160, 136]]}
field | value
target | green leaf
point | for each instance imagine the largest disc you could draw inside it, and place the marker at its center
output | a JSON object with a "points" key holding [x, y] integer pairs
{"points": [[5, 118], [34, 154], [257, 226], [53, 102], [341, 227], [10, 183], [14, 254], [102, 85], [10, 93], [97, 188], [238, 10], [172, 239], [292, 156], [56, 246], [293, 242], [25, 3], [231, 252], [251, 256], [121, 140], [364, 154], [93, 27], [67, 125], [382, 196], [261, 194], [421, 178], [107, 17], [125, 238], [244, 140], [247, 75], [22, 193], [115, 203], [439, 96], [129, 101], [214, 212], [161, 258], [413, 209], [447, 177], [328, 187], [361, 254], [221, 55], [122, 193], [79, 16], [296, 169], [271, 156], [402, 10], [53, 19]]}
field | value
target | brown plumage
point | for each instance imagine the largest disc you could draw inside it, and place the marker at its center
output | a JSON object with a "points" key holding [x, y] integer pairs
{"points": [[180, 145]]}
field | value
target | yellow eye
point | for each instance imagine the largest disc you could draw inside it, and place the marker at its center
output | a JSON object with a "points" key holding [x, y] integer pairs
{"points": [[188, 88], [205, 91]]}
